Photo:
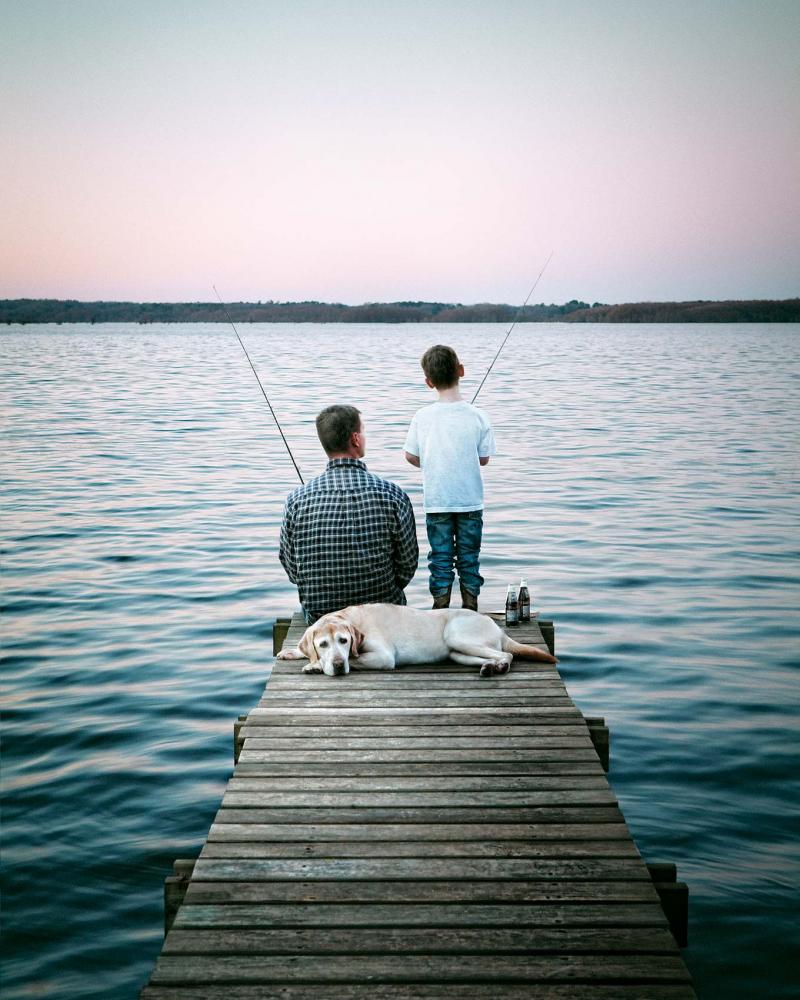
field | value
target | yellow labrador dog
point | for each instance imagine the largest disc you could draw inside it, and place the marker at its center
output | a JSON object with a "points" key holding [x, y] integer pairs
{"points": [[383, 636]]}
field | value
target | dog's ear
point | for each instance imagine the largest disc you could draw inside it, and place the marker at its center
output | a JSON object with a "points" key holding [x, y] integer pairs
{"points": [[357, 637], [307, 647]]}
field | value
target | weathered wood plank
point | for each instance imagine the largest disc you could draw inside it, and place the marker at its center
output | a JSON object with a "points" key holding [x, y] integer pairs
{"points": [[378, 733], [432, 715], [555, 849], [525, 721], [265, 763], [541, 701], [500, 753], [598, 915], [429, 784], [577, 739], [419, 869], [534, 814], [340, 694], [468, 969], [429, 832], [291, 667], [401, 680], [423, 991], [440, 799], [410, 941], [437, 667], [422, 892]]}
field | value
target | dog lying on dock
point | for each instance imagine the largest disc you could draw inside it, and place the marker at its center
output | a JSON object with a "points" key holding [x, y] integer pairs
{"points": [[384, 636]]}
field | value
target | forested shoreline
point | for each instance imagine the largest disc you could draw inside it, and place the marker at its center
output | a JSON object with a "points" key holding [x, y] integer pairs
{"points": [[24, 311]]}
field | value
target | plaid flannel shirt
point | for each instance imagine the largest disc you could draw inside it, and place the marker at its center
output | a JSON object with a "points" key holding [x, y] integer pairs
{"points": [[348, 537]]}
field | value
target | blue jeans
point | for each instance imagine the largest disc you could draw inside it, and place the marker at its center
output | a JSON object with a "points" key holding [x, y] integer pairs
{"points": [[455, 539]]}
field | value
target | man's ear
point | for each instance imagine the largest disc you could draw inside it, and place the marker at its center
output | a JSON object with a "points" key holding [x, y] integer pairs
{"points": [[357, 637], [307, 647]]}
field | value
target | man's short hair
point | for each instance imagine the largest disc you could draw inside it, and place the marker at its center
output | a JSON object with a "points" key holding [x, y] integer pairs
{"points": [[335, 425], [440, 365]]}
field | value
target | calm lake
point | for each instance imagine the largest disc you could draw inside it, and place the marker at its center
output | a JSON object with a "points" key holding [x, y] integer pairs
{"points": [[647, 486]]}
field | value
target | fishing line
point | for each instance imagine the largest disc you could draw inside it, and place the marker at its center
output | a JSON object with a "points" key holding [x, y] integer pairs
{"points": [[533, 289], [259, 383]]}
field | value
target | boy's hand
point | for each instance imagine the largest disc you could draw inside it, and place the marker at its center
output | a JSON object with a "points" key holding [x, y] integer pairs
{"points": [[412, 459]]}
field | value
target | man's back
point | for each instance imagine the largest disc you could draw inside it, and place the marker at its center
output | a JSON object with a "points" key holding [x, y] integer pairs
{"points": [[348, 537]]}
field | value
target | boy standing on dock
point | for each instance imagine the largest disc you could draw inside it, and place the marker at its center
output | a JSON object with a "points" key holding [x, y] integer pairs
{"points": [[450, 440]]}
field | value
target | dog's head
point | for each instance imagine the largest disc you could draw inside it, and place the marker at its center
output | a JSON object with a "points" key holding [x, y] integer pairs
{"points": [[331, 641]]}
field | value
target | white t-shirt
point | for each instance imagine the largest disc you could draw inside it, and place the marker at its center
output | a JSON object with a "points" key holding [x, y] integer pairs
{"points": [[449, 439]]}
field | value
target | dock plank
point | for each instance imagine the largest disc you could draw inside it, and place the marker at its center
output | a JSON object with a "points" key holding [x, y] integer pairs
{"points": [[422, 915], [420, 849], [424, 991], [468, 969], [404, 940]]}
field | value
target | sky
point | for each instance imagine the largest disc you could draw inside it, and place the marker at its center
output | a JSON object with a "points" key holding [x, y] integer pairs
{"points": [[383, 151]]}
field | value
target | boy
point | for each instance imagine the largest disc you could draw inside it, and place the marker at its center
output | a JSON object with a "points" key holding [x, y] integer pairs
{"points": [[450, 440]]}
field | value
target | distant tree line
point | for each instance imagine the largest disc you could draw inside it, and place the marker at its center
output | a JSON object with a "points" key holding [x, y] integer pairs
{"points": [[746, 311], [574, 311]]}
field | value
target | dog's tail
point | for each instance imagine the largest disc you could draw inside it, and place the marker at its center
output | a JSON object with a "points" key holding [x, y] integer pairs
{"points": [[526, 652]]}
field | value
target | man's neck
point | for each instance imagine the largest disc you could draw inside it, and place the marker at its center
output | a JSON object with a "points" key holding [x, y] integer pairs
{"points": [[345, 454], [452, 394]]}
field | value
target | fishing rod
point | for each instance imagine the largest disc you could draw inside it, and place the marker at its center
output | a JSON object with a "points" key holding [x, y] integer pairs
{"points": [[519, 311], [260, 385]]}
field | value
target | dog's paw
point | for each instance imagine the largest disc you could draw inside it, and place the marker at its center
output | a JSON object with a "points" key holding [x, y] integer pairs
{"points": [[312, 668], [290, 654], [493, 667]]}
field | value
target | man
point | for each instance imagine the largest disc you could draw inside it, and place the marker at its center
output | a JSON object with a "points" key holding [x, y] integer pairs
{"points": [[348, 537]]}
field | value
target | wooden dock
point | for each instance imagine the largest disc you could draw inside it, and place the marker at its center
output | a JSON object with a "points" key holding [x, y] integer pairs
{"points": [[425, 834]]}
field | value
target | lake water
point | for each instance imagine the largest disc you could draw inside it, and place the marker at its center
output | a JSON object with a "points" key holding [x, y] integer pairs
{"points": [[647, 486]]}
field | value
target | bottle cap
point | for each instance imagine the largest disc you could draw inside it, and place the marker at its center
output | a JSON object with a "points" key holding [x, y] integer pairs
{"points": [[523, 583]]}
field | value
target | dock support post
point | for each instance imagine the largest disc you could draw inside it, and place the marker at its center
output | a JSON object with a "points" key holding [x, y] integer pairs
{"points": [[237, 741], [674, 898], [175, 889], [279, 630], [548, 630], [601, 739]]}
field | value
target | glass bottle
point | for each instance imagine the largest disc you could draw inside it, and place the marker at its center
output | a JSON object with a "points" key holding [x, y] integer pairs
{"points": [[524, 602], [512, 606]]}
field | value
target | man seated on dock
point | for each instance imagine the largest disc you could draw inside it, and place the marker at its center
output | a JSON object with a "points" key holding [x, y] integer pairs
{"points": [[348, 537]]}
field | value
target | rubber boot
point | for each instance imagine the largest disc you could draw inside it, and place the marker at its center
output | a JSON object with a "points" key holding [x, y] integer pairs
{"points": [[468, 600], [441, 600]]}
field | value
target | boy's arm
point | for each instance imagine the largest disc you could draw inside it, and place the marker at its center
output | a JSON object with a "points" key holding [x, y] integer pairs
{"points": [[411, 448], [486, 444]]}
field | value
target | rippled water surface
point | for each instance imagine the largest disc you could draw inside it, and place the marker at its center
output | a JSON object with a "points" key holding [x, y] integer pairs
{"points": [[647, 486]]}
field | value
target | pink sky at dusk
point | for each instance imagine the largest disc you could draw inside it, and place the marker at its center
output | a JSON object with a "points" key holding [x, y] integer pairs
{"points": [[371, 151]]}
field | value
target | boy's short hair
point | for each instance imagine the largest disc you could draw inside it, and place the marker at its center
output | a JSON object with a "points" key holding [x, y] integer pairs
{"points": [[441, 364], [335, 425]]}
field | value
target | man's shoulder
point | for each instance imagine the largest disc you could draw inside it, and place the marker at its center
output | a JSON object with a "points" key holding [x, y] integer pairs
{"points": [[357, 477], [299, 492], [384, 486]]}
